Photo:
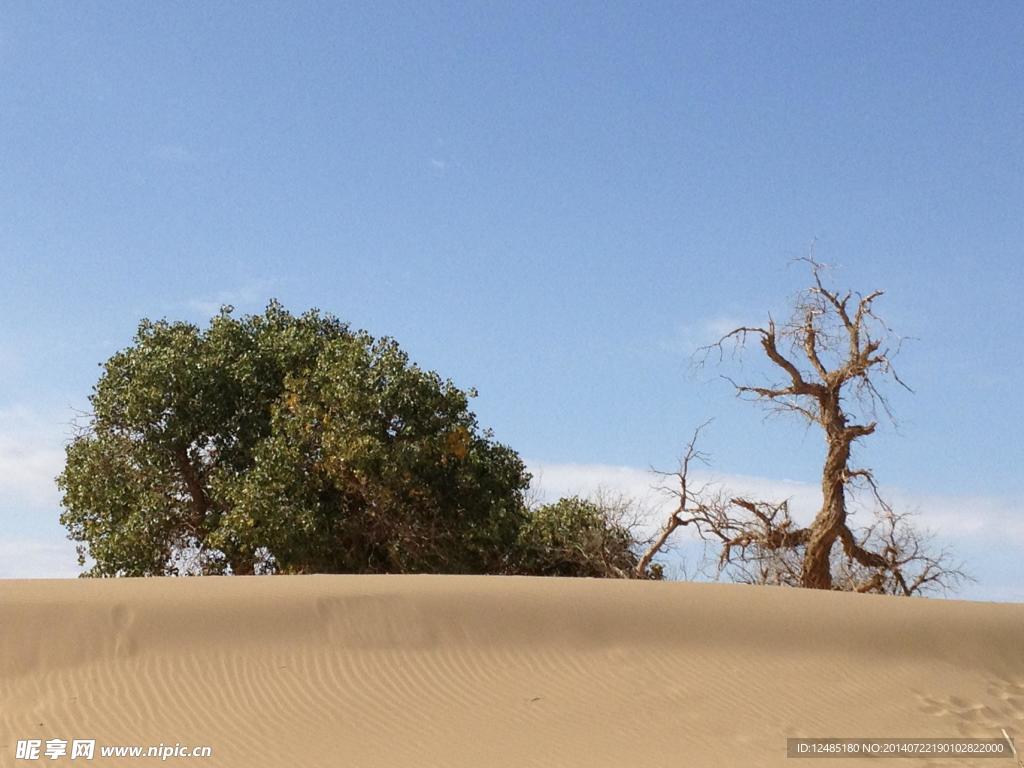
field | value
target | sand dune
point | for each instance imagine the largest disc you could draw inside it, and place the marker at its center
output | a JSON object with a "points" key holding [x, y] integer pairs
{"points": [[485, 671]]}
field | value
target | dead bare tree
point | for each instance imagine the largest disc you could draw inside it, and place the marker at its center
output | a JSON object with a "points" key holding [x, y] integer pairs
{"points": [[759, 542], [831, 357]]}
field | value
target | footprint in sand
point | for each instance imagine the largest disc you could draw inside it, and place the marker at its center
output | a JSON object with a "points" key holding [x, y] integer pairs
{"points": [[121, 619], [1004, 709]]}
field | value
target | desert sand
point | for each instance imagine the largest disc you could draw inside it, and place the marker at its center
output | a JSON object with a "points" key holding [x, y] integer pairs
{"points": [[422, 671]]}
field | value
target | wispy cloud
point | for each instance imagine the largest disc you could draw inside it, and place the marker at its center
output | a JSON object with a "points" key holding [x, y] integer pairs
{"points": [[689, 337], [252, 295], [25, 558], [31, 456], [438, 164]]}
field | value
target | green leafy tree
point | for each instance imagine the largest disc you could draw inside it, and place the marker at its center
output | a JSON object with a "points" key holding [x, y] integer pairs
{"points": [[581, 537], [280, 443]]}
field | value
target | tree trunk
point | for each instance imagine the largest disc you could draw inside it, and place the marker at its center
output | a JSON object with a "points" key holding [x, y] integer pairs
{"points": [[830, 521], [199, 502]]}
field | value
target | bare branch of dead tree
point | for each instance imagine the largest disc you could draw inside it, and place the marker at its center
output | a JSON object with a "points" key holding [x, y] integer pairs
{"points": [[687, 499]]}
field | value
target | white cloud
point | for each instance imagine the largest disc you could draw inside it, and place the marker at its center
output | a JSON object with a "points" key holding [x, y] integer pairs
{"points": [[37, 559], [438, 164], [31, 456], [981, 517]]}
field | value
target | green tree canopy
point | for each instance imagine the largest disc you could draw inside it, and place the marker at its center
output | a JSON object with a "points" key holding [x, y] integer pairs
{"points": [[581, 537], [282, 443]]}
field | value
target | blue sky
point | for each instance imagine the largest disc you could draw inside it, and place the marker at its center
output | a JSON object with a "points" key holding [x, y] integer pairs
{"points": [[552, 204]]}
